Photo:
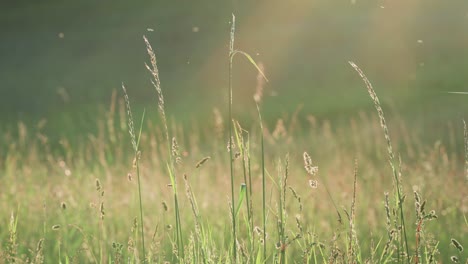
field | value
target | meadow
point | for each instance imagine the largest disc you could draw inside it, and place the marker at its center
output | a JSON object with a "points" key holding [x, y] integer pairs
{"points": [[232, 188]]}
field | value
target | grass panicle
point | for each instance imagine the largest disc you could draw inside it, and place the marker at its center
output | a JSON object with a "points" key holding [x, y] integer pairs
{"points": [[202, 161], [353, 246], [399, 196], [173, 159], [136, 163]]}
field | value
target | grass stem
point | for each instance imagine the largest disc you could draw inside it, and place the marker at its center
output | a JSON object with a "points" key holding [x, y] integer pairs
{"points": [[231, 161]]}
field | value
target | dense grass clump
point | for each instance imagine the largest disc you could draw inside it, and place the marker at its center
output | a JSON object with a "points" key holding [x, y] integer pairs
{"points": [[303, 191]]}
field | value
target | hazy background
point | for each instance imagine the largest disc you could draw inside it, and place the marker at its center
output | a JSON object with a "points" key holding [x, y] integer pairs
{"points": [[62, 59]]}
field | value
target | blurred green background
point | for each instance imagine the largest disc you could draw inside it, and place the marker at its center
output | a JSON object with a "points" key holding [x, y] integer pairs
{"points": [[62, 59]]}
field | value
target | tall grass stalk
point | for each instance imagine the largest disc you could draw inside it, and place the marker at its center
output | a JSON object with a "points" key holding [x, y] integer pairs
{"points": [[263, 180], [397, 179], [12, 245], [465, 133], [247, 171], [100, 194], [232, 53], [136, 161], [231, 165], [153, 69], [201, 241], [137, 164], [283, 180], [353, 250]]}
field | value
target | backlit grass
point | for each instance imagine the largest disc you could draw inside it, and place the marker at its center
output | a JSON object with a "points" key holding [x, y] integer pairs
{"points": [[303, 191]]}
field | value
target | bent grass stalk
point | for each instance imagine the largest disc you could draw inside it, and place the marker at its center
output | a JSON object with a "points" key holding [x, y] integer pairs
{"points": [[397, 179], [232, 53]]}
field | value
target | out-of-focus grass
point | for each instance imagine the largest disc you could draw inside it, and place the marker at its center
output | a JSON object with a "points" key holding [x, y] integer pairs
{"points": [[37, 179]]}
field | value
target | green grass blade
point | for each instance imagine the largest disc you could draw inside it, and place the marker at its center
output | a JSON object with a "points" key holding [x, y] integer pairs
{"points": [[141, 128], [251, 60], [241, 197]]}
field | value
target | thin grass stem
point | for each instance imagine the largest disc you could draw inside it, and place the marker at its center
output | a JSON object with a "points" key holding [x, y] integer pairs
{"points": [[263, 180], [231, 165]]}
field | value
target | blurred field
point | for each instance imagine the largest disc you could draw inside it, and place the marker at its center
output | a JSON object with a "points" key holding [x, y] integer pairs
{"points": [[67, 168], [68, 57]]}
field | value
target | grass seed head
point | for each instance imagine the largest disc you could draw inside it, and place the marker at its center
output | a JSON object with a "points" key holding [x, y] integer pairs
{"points": [[454, 259], [135, 225], [39, 245], [129, 177], [313, 184], [387, 211], [98, 185], [456, 244], [431, 215], [101, 210], [175, 151], [131, 127], [202, 161], [231, 144], [311, 170]]}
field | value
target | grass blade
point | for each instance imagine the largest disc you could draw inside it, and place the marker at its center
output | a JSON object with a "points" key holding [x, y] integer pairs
{"points": [[241, 197], [251, 60]]}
